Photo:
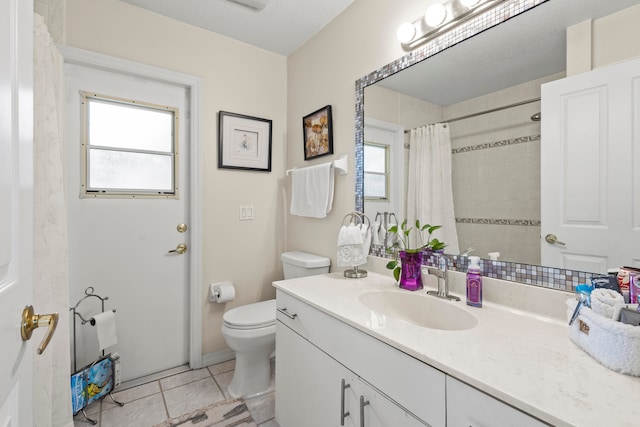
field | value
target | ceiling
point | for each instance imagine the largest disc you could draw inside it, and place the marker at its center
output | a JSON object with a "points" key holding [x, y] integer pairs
{"points": [[282, 26]]}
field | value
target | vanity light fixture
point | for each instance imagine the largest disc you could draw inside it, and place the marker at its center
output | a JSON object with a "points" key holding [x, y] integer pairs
{"points": [[441, 17], [435, 15]]}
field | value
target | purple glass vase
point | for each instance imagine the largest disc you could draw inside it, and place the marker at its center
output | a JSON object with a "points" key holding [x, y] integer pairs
{"points": [[410, 277]]}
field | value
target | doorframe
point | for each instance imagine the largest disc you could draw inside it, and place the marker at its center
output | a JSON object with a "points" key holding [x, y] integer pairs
{"points": [[100, 61]]}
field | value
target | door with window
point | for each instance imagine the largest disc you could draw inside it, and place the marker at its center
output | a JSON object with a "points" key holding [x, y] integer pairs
{"points": [[128, 198]]}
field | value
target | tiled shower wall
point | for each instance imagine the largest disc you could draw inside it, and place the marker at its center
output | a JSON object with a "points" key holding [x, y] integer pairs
{"points": [[496, 174]]}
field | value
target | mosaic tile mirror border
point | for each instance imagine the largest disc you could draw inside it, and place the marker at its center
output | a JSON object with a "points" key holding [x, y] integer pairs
{"points": [[549, 277]]}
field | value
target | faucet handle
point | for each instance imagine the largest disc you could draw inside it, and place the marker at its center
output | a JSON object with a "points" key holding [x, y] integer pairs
{"points": [[442, 262]]}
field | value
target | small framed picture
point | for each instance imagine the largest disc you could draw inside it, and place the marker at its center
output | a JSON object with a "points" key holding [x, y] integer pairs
{"points": [[244, 142], [318, 133]]}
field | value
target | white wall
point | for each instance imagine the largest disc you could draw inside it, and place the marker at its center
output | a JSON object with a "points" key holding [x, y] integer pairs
{"points": [[237, 78], [611, 39]]}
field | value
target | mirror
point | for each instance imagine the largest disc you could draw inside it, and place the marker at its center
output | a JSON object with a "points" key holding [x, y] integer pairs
{"points": [[498, 205]]}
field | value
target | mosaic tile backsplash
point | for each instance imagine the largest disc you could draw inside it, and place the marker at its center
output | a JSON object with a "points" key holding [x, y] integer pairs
{"points": [[549, 277]]}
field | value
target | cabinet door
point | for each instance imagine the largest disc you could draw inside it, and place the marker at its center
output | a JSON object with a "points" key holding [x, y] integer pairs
{"points": [[373, 409], [468, 407], [308, 384]]}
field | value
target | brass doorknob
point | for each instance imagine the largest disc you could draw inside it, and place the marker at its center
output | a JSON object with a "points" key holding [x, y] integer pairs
{"points": [[31, 321], [180, 249], [552, 238]]}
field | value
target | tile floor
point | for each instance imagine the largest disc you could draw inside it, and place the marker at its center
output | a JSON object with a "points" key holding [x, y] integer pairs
{"points": [[197, 398]]}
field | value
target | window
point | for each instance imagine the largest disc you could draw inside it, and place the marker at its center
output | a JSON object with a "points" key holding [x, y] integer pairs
{"points": [[130, 148], [376, 171]]}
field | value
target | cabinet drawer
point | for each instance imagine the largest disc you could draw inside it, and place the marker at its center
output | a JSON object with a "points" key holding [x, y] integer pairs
{"points": [[468, 407], [409, 382]]}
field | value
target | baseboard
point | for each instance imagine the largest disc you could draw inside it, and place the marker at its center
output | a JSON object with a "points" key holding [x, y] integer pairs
{"points": [[218, 357]]}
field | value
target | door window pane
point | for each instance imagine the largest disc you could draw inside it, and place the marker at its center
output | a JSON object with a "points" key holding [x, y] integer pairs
{"points": [[130, 147], [376, 171], [121, 170], [127, 126]]}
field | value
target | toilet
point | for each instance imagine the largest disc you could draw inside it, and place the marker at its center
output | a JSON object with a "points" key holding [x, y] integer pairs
{"points": [[250, 330]]}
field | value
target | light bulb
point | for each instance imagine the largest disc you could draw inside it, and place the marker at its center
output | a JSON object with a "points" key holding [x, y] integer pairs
{"points": [[406, 32], [469, 3], [435, 15]]}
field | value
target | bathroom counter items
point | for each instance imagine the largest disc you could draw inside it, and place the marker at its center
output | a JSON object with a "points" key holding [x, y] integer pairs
{"points": [[524, 360]]}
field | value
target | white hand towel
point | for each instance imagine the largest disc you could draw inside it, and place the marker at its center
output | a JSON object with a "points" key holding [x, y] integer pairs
{"points": [[350, 246], [603, 301], [375, 233], [366, 240], [312, 191]]}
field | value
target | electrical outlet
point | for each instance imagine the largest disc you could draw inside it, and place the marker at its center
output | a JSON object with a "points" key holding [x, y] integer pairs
{"points": [[246, 212]]}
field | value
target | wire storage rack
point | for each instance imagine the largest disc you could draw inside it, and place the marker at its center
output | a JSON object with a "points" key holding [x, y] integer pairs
{"points": [[106, 367]]}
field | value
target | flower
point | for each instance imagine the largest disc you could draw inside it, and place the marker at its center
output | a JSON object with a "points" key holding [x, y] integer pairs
{"points": [[432, 244]]}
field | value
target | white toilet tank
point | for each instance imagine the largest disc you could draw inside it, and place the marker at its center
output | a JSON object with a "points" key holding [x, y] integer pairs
{"points": [[301, 264]]}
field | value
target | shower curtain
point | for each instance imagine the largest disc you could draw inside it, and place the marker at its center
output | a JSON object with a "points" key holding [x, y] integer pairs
{"points": [[51, 370], [430, 193]]}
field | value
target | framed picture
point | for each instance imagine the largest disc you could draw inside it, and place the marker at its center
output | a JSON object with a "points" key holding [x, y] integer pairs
{"points": [[244, 142], [318, 133]]}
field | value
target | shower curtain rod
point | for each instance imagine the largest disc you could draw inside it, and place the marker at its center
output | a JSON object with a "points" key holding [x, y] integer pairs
{"points": [[492, 110]]}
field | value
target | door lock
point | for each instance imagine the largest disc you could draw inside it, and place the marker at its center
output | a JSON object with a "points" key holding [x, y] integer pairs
{"points": [[182, 228]]}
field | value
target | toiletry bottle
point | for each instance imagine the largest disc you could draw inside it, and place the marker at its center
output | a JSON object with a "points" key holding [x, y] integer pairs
{"points": [[474, 282]]}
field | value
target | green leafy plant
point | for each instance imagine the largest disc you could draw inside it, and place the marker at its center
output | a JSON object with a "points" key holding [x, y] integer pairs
{"points": [[403, 234]]}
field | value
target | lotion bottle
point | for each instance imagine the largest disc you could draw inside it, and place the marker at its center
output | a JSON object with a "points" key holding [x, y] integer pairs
{"points": [[474, 282]]}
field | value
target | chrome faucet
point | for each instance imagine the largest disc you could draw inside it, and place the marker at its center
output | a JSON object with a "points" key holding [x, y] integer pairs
{"points": [[441, 273]]}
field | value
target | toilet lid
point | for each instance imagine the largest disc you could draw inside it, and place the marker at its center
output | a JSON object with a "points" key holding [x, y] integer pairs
{"points": [[252, 315]]}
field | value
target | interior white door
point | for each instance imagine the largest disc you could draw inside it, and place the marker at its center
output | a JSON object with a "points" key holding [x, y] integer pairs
{"points": [[590, 177], [120, 246], [16, 200]]}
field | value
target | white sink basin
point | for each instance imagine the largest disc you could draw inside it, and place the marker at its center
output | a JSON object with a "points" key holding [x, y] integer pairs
{"points": [[421, 310]]}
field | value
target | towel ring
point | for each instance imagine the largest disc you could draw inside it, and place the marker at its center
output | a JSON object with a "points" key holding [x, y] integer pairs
{"points": [[356, 218]]}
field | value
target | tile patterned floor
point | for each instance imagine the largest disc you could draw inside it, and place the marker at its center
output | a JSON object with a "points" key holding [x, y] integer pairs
{"points": [[198, 398]]}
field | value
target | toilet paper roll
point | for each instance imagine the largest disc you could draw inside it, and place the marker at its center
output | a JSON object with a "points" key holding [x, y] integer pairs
{"points": [[222, 292], [105, 324]]}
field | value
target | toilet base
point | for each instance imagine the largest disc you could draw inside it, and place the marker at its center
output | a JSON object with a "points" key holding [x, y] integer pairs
{"points": [[252, 375]]}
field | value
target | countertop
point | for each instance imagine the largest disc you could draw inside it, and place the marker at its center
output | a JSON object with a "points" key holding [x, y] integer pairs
{"points": [[523, 359]]}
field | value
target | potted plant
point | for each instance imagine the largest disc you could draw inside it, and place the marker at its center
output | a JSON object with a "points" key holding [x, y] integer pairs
{"points": [[406, 268]]}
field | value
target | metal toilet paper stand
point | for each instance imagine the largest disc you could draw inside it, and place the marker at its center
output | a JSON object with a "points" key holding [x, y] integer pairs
{"points": [[88, 294]]}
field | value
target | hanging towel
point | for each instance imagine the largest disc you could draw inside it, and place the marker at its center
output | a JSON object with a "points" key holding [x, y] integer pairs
{"points": [[375, 233], [365, 230], [312, 191], [350, 246]]}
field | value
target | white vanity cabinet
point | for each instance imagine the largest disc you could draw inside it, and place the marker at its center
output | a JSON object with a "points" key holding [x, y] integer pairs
{"points": [[317, 391], [326, 368], [468, 407]]}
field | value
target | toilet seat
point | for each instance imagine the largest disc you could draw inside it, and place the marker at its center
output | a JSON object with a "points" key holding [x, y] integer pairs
{"points": [[251, 316]]}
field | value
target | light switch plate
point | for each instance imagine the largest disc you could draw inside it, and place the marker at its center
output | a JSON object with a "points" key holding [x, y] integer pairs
{"points": [[246, 212]]}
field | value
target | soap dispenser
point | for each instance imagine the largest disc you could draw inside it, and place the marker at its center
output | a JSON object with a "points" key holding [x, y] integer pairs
{"points": [[474, 282]]}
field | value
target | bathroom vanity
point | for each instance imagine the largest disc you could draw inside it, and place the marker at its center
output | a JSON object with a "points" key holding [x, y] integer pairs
{"points": [[344, 357]]}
